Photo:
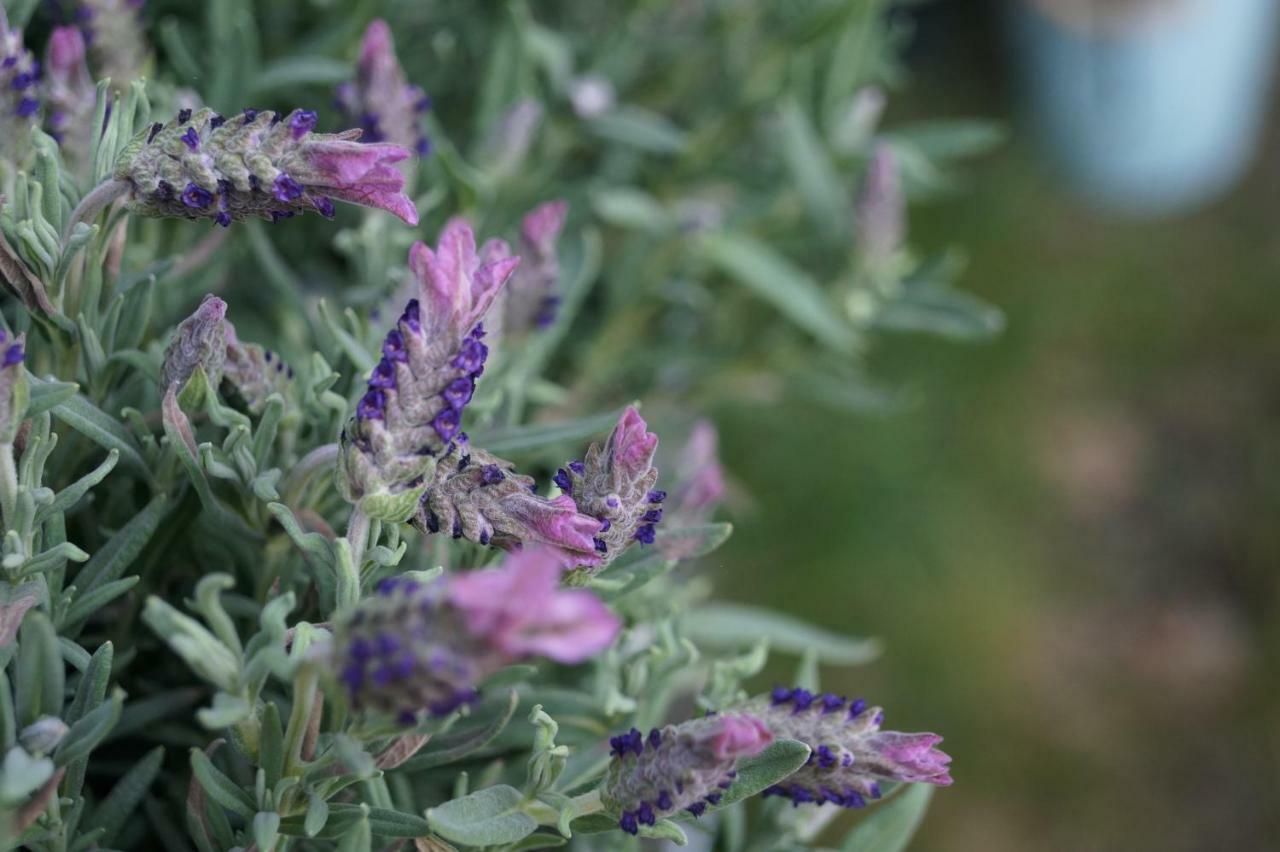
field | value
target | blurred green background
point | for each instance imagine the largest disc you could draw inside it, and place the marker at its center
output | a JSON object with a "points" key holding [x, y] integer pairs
{"points": [[1069, 542]]}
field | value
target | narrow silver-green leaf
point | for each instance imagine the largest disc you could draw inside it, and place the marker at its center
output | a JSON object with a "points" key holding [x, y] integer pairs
{"points": [[487, 817], [731, 625], [892, 824]]}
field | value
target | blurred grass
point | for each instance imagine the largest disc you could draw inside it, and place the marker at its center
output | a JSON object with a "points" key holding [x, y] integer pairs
{"points": [[1069, 544]]}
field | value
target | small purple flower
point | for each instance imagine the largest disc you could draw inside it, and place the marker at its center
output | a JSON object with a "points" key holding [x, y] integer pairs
{"points": [[191, 139], [372, 406], [458, 392], [850, 752], [287, 189], [679, 767], [302, 122], [196, 196], [12, 388]]}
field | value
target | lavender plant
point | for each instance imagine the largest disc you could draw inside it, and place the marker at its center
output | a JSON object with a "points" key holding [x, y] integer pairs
{"points": [[292, 558]]}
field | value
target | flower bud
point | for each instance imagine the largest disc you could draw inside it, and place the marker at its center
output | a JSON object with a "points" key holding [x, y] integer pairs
{"points": [[881, 226], [253, 372], [679, 767], [257, 164], [199, 341], [701, 487], [615, 486], [380, 99], [530, 300], [72, 98], [850, 752], [113, 29], [43, 735], [19, 73], [414, 647]]}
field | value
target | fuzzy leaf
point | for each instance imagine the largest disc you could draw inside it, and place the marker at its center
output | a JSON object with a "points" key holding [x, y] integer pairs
{"points": [[111, 560], [487, 817], [775, 279], [126, 795], [732, 625], [85, 735], [104, 430], [220, 788], [890, 827], [447, 749]]}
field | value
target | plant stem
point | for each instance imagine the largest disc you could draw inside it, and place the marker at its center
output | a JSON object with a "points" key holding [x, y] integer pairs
{"points": [[8, 484], [358, 537], [94, 203], [304, 694]]}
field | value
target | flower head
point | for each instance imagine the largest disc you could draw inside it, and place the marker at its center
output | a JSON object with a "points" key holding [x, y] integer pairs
{"points": [[19, 74], [253, 372], [201, 165], [477, 496], [380, 99], [114, 32], [415, 647], [71, 96], [531, 300], [881, 209], [850, 752], [199, 341], [616, 486], [411, 414], [678, 767]]}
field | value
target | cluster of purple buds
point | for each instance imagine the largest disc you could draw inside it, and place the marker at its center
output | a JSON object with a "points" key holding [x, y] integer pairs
{"points": [[262, 164], [19, 75], [531, 300], [615, 485], [13, 386], [411, 412], [199, 341], [113, 30], [415, 648], [71, 95], [254, 373], [880, 222], [850, 754], [478, 496], [685, 767], [380, 99]]}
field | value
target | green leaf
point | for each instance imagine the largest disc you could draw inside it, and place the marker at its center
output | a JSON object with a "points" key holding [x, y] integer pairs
{"points": [[220, 788], [300, 71], [815, 176], [756, 774], [266, 827], [125, 796], [45, 395], [891, 825], [90, 602], [69, 496], [731, 625], [539, 436], [104, 430], [111, 560], [776, 280], [943, 311], [317, 815], [692, 542], [449, 748], [85, 735], [949, 139], [271, 745], [487, 817], [640, 128], [39, 675]]}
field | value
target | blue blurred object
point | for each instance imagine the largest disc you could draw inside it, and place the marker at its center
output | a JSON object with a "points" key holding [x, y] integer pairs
{"points": [[1152, 115]]}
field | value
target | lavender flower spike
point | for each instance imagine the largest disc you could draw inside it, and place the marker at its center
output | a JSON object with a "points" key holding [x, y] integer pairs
{"points": [[477, 496], [411, 413], [254, 373], [380, 99], [71, 94], [702, 486], [113, 30], [199, 341], [201, 165], [616, 485], [19, 73], [881, 208], [531, 300], [680, 767], [851, 755], [414, 648]]}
